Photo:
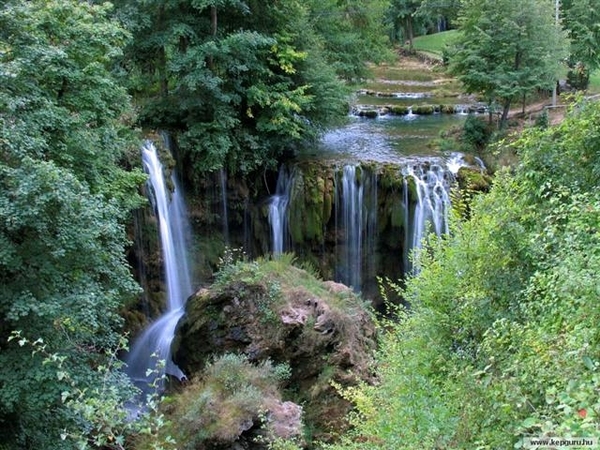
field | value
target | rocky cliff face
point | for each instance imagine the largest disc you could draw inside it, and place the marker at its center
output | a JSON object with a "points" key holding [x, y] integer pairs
{"points": [[274, 311], [385, 197], [234, 212]]}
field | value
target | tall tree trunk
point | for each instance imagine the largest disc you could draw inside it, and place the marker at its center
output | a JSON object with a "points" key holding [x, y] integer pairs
{"points": [[162, 73], [504, 117], [409, 31], [213, 19]]}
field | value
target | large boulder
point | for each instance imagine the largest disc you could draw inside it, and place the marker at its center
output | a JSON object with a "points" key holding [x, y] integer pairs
{"points": [[270, 310]]}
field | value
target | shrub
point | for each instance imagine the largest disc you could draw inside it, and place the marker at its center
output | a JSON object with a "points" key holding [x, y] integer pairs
{"points": [[229, 398], [542, 120], [476, 133]]}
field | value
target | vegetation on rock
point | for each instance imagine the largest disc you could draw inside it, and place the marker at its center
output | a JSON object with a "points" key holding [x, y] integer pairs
{"points": [[233, 400], [270, 310]]}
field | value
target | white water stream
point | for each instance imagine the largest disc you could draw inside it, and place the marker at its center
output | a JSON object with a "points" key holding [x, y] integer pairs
{"points": [[150, 355]]}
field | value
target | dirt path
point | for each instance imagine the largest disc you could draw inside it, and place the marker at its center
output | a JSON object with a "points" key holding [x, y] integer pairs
{"points": [[535, 109]]}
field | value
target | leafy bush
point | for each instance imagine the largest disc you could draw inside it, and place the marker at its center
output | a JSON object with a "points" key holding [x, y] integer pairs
{"points": [[64, 201], [476, 133], [542, 121], [230, 397]]}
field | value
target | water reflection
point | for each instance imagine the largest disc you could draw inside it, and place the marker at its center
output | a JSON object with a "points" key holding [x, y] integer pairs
{"points": [[385, 139]]}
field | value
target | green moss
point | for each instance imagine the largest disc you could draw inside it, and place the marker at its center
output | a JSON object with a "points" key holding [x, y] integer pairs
{"points": [[296, 209], [311, 204], [397, 213], [206, 251], [201, 311], [369, 113], [423, 110], [413, 195], [447, 109], [473, 180], [390, 178], [399, 110], [390, 195], [327, 199]]}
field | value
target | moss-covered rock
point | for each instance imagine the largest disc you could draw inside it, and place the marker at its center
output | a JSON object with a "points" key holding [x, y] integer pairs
{"points": [[390, 178], [398, 110], [411, 184], [311, 203], [471, 179], [447, 109], [233, 403], [369, 113], [274, 311], [423, 109]]}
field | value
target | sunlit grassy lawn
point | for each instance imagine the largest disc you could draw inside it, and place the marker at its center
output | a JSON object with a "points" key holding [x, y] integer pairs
{"points": [[434, 43], [594, 87]]}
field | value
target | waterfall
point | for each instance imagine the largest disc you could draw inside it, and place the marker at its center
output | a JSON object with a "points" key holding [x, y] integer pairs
{"points": [[408, 229], [357, 200], [154, 344], [432, 205], [278, 205], [352, 222]]}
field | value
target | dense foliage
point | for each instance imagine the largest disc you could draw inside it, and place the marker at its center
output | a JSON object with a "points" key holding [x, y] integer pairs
{"points": [[502, 309], [581, 19], [63, 203], [507, 50], [241, 82], [502, 340]]}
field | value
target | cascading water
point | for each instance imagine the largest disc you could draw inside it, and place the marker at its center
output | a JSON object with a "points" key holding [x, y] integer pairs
{"points": [[419, 205], [357, 200], [430, 213], [352, 223], [278, 205], [154, 344]]}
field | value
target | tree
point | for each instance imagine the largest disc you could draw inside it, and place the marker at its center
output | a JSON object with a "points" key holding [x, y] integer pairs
{"points": [[64, 200], [239, 83], [581, 19], [349, 33], [445, 11], [403, 15], [507, 50]]}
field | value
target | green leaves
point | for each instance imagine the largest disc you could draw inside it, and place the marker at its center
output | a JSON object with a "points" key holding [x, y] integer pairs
{"points": [[580, 19], [507, 50], [63, 201], [240, 83]]}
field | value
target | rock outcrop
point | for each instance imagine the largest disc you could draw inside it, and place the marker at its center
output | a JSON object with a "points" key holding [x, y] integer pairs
{"points": [[274, 311]]}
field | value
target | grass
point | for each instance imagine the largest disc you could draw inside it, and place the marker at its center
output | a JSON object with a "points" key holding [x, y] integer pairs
{"points": [[434, 43], [218, 406], [594, 87]]}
